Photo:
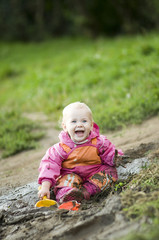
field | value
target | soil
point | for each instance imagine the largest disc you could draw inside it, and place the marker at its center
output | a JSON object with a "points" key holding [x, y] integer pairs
{"points": [[98, 218]]}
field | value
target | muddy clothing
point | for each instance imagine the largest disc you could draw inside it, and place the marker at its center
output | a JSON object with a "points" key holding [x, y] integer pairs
{"points": [[89, 164]]}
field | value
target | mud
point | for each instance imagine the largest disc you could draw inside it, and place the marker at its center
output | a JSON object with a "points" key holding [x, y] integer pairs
{"points": [[99, 218], [94, 219]]}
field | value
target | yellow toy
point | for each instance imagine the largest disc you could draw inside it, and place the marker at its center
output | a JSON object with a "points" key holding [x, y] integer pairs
{"points": [[45, 202]]}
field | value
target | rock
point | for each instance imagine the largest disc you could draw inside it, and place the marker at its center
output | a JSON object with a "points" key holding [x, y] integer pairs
{"points": [[132, 168]]}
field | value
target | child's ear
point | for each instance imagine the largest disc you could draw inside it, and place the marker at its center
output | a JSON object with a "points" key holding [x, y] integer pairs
{"points": [[92, 125], [64, 127]]}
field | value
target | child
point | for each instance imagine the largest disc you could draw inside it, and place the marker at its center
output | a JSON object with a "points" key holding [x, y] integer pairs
{"points": [[82, 163]]}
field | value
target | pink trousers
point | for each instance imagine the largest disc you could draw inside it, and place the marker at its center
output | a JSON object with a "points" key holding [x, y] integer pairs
{"points": [[93, 184]]}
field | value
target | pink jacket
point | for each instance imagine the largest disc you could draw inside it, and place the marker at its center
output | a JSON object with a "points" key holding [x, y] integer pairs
{"points": [[51, 164]]}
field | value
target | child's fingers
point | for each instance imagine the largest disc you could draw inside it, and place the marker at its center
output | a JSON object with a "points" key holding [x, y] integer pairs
{"points": [[48, 195], [119, 158], [42, 194], [39, 193]]}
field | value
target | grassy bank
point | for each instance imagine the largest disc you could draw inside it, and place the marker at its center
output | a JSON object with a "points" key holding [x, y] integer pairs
{"points": [[118, 78], [141, 203]]}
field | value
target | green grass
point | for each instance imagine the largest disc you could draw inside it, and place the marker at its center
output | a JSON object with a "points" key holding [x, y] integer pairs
{"points": [[17, 133], [118, 78], [149, 233]]}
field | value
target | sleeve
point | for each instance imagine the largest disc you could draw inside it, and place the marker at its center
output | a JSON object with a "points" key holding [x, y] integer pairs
{"points": [[50, 165], [107, 150]]}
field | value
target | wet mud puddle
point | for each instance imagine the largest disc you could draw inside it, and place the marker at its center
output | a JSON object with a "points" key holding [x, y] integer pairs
{"points": [[98, 218]]}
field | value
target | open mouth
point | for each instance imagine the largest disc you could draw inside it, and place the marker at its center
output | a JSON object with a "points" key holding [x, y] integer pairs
{"points": [[79, 133]]}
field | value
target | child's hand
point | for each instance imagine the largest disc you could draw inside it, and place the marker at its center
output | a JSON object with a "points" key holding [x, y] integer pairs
{"points": [[44, 190], [119, 159]]}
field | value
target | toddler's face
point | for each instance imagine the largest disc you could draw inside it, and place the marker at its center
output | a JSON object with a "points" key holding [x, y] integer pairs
{"points": [[78, 123]]}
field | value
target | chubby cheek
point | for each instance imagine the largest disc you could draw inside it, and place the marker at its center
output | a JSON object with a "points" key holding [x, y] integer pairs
{"points": [[89, 128], [87, 134], [70, 130], [67, 128]]}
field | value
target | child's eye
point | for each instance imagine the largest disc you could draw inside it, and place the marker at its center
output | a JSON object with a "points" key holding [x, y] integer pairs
{"points": [[84, 121], [74, 121]]}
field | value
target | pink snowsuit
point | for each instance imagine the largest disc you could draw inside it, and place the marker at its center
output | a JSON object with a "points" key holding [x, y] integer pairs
{"points": [[90, 164]]}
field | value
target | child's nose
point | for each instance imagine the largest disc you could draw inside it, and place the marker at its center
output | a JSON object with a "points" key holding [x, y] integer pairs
{"points": [[79, 124]]}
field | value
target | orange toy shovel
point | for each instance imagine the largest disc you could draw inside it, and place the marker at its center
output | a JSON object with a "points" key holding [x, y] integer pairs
{"points": [[71, 205], [45, 202]]}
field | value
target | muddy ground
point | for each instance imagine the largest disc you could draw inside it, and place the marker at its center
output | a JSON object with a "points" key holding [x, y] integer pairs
{"points": [[99, 218]]}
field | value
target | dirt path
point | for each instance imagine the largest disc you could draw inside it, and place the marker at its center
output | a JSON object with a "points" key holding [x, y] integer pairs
{"points": [[23, 168]]}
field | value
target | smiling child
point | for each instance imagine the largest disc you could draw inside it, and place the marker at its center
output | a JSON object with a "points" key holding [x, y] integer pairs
{"points": [[82, 163]]}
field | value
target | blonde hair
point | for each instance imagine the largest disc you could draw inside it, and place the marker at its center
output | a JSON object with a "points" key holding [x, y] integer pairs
{"points": [[78, 105]]}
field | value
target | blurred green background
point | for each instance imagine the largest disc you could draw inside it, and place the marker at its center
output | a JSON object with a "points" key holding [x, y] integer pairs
{"points": [[104, 53]]}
